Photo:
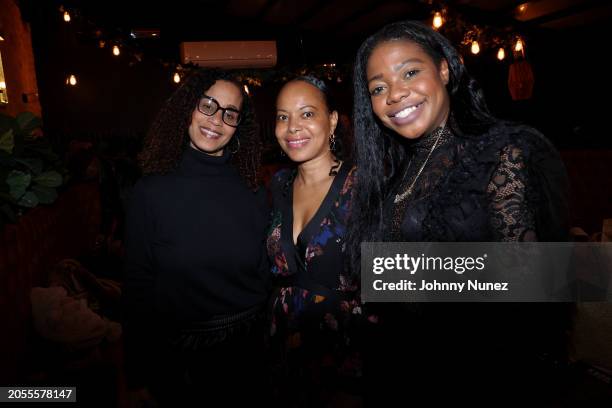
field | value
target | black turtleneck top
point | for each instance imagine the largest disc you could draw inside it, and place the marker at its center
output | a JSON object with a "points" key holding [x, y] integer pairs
{"points": [[194, 245]]}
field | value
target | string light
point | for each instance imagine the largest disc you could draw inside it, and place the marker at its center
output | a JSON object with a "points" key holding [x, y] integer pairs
{"points": [[438, 20], [518, 47], [475, 47], [246, 89], [71, 80]]}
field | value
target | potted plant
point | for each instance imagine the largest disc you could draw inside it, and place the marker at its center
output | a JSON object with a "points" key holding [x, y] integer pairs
{"points": [[30, 171]]}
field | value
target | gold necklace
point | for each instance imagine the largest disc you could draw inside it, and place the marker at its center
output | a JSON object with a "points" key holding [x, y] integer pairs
{"points": [[401, 197]]}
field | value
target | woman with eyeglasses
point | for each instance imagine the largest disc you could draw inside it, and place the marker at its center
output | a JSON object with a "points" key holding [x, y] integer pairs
{"points": [[315, 306], [196, 266]]}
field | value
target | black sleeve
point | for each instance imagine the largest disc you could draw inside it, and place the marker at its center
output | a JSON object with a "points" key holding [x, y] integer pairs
{"points": [[139, 287], [529, 191], [264, 262], [528, 203], [511, 209]]}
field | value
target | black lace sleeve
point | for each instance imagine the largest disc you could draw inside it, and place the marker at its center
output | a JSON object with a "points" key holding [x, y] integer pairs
{"points": [[512, 210]]}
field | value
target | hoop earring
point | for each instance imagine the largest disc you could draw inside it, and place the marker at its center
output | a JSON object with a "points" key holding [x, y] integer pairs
{"points": [[332, 142], [333, 171], [237, 148]]}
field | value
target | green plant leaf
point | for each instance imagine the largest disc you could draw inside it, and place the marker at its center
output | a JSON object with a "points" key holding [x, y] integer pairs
{"points": [[27, 121], [49, 179], [46, 195], [7, 141], [18, 182], [35, 165], [29, 200]]}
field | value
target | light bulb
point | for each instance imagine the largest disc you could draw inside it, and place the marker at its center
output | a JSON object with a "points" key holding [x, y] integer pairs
{"points": [[475, 47], [437, 20], [66, 16], [177, 77], [116, 51], [71, 80], [518, 47], [501, 54]]}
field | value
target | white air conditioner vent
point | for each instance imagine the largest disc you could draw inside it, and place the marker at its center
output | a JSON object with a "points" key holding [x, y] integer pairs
{"points": [[230, 54]]}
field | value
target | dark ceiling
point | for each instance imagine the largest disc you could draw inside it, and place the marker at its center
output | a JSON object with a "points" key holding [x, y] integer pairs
{"points": [[316, 30]]}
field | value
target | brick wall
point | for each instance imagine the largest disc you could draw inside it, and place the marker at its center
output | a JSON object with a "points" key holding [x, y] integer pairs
{"points": [[18, 61]]}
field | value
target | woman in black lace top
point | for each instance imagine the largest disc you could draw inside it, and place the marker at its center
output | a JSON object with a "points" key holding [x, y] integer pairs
{"points": [[435, 165]]}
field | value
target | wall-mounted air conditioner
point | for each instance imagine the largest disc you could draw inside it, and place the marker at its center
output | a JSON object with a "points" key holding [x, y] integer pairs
{"points": [[230, 54]]}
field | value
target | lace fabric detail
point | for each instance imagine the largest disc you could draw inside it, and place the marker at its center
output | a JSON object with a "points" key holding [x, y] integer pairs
{"points": [[512, 218], [505, 185], [422, 183]]}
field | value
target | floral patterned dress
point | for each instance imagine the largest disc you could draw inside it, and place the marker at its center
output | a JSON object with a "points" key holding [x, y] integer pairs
{"points": [[315, 308]]}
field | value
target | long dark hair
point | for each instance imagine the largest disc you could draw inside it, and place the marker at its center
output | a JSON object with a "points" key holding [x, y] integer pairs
{"points": [[168, 136], [378, 151]]}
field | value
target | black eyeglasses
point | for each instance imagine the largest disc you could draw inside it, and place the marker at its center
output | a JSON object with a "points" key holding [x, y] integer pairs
{"points": [[209, 106]]}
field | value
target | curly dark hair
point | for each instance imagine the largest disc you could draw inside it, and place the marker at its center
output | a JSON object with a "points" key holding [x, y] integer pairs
{"points": [[378, 151], [168, 136]]}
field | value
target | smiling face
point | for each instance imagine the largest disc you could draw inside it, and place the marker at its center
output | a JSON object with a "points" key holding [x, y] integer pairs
{"points": [[303, 122], [407, 89], [210, 134]]}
